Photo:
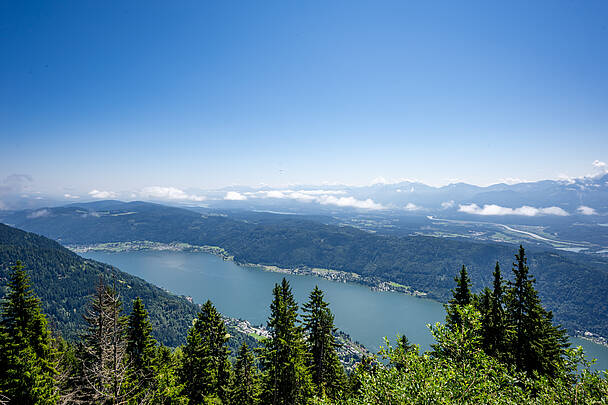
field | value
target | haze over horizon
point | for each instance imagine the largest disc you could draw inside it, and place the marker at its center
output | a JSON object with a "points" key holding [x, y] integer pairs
{"points": [[104, 100]]}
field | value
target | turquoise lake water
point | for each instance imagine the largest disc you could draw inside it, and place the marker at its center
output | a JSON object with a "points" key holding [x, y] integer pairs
{"points": [[245, 292]]}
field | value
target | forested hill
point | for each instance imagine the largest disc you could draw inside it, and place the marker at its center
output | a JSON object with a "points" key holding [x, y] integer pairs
{"points": [[573, 286], [64, 282]]}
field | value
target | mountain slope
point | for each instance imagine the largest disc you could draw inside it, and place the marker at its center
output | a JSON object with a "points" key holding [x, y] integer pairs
{"points": [[64, 281], [574, 286]]}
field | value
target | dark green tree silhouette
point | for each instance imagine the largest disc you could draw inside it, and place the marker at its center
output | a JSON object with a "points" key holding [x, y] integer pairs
{"points": [[141, 349], [326, 370], [246, 381], [205, 369], [494, 327], [536, 345], [27, 357], [461, 296], [284, 360]]}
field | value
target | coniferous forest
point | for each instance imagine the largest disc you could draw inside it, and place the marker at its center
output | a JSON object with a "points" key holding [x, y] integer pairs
{"points": [[500, 346]]}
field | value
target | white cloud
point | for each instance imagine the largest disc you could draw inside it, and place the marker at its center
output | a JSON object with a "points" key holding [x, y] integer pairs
{"points": [[447, 204], [274, 194], [513, 180], [384, 181], [493, 209], [70, 196], [368, 204], [412, 207], [102, 194], [234, 196], [586, 210], [39, 214], [169, 193], [599, 165]]}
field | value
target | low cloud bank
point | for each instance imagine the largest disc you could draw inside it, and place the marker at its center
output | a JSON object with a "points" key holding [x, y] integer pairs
{"points": [[367, 204], [39, 214], [493, 209], [412, 207], [102, 194], [169, 193], [323, 197], [584, 210], [234, 196]]}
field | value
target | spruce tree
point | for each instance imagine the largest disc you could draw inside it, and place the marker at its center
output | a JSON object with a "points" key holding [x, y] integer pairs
{"points": [[493, 320], [205, 370], [27, 356], [284, 360], [536, 345], [103, 352], [245, 391], [461, 296], [141, 348], [326, 370]]}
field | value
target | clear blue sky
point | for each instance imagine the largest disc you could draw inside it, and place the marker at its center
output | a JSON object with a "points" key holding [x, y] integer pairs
{"points": [[122, 95]]}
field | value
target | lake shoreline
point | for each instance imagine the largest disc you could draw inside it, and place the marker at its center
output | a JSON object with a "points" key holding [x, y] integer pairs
{"points": [[374, 284]]}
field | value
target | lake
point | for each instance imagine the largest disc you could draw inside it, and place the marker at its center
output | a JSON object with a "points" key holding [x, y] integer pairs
{"points": [[246, 292]]}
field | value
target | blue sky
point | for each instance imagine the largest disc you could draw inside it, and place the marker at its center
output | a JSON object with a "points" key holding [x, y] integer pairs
{"points": [[124, 95]]}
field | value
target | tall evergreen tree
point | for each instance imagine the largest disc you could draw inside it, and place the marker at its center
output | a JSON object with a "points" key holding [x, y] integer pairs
{"points": [[284, 360], [141, 348], [27, 356], [493, 319], [205, 370], [246, 388], [536, 345], [327, 372], [461, 296], [103, 352]]}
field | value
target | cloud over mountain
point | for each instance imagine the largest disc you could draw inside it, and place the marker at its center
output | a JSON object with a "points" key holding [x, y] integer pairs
{"points": [[493, 209], [234, 196], [169, 193], [102, 194], [586, 210]]}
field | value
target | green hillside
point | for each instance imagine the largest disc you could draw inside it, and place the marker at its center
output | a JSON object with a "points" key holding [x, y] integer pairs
{"points": [[573, 286], [65, 281]]}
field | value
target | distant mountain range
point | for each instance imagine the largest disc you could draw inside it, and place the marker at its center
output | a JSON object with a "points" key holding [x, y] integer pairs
{"points": [[574, 286], [585, 197]]}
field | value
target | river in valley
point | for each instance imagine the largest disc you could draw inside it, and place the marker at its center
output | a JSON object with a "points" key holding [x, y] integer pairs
{"points": [[246, 292]]}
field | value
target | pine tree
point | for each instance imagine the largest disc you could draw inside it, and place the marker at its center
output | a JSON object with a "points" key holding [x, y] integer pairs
{"points": [[284, 360], [205, 371], [461, 297], [103, 352], [493, 318], [245, 391], [141, 351], [536, 345], [326, 370], [27, 356]]}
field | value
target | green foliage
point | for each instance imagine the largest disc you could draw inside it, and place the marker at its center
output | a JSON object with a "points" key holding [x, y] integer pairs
{"points": [[461, 296], [286, 378], [205, 370], [65, 281], [141, 351], [246, 388], [458, 371], [327, 373], [536, 345], [168, 387], [27, 355], [494, 325]]}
